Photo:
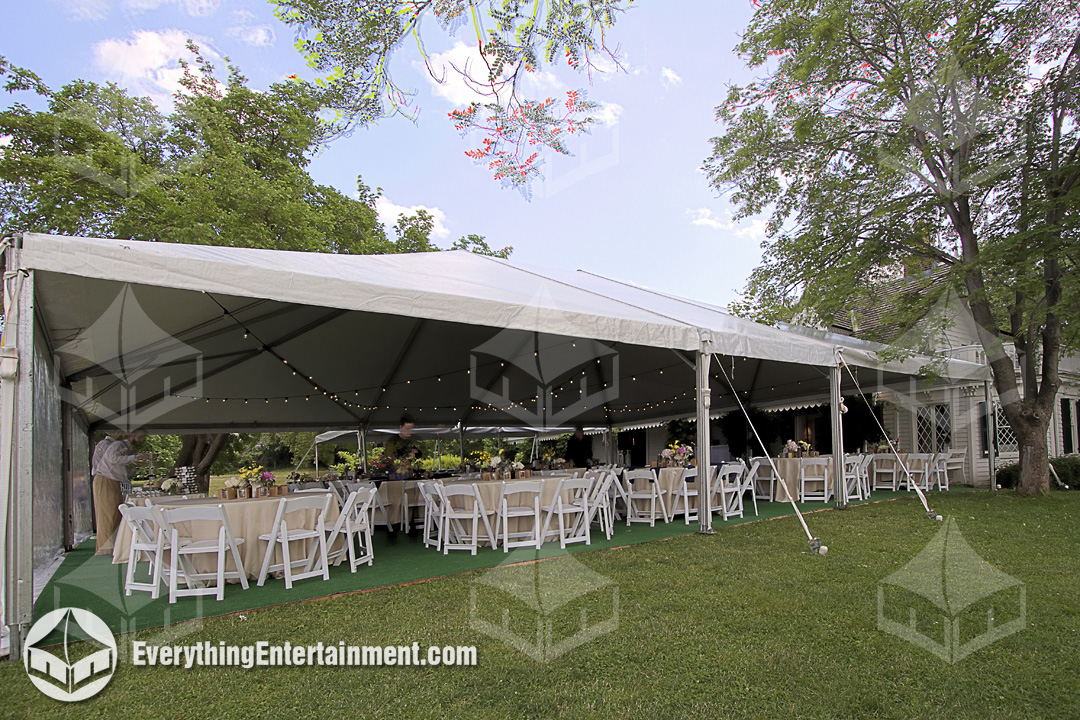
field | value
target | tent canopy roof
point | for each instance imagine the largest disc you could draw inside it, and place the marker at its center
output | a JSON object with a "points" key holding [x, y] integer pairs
{"points": [[186, 337]]}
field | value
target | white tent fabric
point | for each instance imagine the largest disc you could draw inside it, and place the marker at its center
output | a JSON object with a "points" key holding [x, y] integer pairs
{"points": [[185, 337]]}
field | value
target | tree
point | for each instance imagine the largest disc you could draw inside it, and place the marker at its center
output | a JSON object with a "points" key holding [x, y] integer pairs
{"points": [[352, 42], [226, 167], [899, 131], [478, 244]]}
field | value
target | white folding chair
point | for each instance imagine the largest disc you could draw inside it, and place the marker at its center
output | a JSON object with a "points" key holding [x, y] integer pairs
{"points": [[957, 460], [761, 473], [432, 513], [747, 486], [182, 546], [823, 477], [865, 464], [727, 490], [411, 502], [526, 503], [354, 523], [651, 493], [919, 466], [378, 505], [315, 564], [886, 471], [453, 535], [602, 502], [853, 482], [688, 488], [939, 471], [146, 537], [576, 508], [340, 492]]}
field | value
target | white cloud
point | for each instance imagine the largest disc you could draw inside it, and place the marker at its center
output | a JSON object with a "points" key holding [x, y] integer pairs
{"points": [[669, 78], [86, 9], [608, 114], [254, 35], [148, 63], [752, 229], [243, 15], [450, 70], [388, 213]]}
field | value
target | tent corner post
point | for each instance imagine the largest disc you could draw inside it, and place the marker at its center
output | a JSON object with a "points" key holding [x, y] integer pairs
{"points": [[835, 401], [704, 441]]}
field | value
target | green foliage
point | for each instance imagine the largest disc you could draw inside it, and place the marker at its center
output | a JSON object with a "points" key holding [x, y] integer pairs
{"points": [[740, 438], [227, 167], [165, 449], [449, 462], [1067, 467], [351, 46], [478, 244], [911, 135], [682, 432]]}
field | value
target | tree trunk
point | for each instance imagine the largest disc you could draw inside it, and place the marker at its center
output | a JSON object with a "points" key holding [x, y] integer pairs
{"points": [[1034, 457], [200, 451]]}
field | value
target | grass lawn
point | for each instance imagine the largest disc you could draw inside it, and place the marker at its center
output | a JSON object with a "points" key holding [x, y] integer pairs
{"points": [[742, 624]]}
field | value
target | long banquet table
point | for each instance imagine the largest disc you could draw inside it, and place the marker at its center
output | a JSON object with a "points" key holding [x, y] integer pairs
{"points": [[248, 519]]}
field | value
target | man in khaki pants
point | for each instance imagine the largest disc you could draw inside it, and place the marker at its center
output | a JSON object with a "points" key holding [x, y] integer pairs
{"points": [[110, 470]]}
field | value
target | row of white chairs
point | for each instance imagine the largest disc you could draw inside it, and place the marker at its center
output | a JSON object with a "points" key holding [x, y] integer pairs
{"points": [[455, 513], [157, 532]]}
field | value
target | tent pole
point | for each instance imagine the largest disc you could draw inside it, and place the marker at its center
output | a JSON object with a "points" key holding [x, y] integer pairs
{"points": [[316, 460], [461, 444], [361, 452], [991, 433], [438, 452], [704, 442], [835, 399]]}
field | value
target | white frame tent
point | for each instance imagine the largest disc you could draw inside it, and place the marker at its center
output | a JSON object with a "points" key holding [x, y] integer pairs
{"points": [[188, 338]]}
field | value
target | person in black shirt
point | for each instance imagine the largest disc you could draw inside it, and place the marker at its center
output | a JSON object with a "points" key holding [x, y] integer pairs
{"points": [[579, 448], [402, 445]]}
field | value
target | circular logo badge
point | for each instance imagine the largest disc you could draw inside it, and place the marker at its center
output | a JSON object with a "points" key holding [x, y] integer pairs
{"points": [[67, 671]]}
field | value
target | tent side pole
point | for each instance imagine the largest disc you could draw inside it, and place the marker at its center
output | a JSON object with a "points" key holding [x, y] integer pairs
{"points": [[461, 445], [704, 441], [363, 449], [16, 530], [835, 399], [991, 434]]}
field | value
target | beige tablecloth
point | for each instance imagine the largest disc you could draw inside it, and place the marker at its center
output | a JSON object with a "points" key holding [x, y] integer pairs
{"points": [[247, 518], [788, 484]]}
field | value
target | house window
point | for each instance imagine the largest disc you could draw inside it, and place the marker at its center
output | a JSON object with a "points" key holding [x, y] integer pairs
{"points": [[934, 426], [1067, 425]]}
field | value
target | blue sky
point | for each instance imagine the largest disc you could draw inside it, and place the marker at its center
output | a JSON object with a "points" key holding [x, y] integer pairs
{"points": [[631, 203]]}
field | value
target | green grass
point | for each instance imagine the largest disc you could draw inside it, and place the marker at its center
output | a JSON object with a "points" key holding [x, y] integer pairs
{"points": [[742, 624]]}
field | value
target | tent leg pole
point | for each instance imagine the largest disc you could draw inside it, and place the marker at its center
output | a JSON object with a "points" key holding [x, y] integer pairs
{"points": [[839, 483], [704, 441], [362, 439], [991, 434]]}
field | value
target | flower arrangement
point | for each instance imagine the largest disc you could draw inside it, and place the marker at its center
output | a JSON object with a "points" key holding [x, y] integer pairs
{"points": [[265, 479], [234, 482], [667, 454], [681, 454], [804, 446], [495, 461], [477, 458], [517, 466], [791, 447], [250, 475], [171, 486]]}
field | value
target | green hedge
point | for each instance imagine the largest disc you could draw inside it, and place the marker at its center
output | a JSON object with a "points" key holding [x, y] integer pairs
{"points": [[1068, 469]]}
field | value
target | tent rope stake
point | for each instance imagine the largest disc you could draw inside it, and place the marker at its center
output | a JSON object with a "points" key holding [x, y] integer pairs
{"points": [[816, 547], [929, 513]]}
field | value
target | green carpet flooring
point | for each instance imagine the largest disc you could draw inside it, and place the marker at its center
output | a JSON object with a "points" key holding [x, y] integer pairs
{"points": [[86, 581]]}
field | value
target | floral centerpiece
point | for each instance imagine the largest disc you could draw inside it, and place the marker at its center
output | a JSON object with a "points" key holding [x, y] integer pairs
{"points": [[681, 454], [171, 486], [791, 448], [804, 448], [232, 487], [477, 459], [667, 456], [518, 468]]}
